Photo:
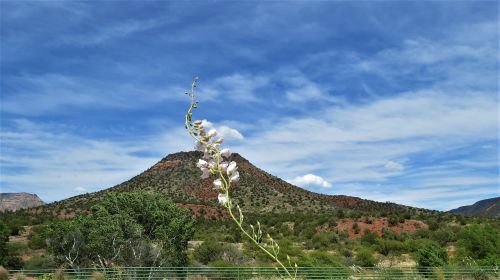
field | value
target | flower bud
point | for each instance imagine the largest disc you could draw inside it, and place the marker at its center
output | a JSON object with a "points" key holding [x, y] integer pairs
{"points": [[232, 167], [211, 133], [222, 198], [218, 183], [235, 177], [201, 163], [226, 153], [223, 166], [212, 164], [219, 141], [206, 173]]}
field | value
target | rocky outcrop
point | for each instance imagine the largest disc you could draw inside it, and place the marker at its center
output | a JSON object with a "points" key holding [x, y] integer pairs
{"points": [[16, 201]]}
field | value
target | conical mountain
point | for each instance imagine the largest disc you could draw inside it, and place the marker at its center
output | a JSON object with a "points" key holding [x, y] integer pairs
{"points": [[178, 178]]}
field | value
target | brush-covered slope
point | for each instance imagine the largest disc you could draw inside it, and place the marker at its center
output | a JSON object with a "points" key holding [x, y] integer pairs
{"points": [[178, 178], [487, 208]]}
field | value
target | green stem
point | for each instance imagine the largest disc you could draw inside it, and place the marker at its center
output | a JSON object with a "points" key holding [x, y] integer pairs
{"points": [[255, 241], [226, 182]]}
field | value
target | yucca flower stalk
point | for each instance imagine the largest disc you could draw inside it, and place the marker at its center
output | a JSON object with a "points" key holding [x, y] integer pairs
{"points": [[215, 163]]}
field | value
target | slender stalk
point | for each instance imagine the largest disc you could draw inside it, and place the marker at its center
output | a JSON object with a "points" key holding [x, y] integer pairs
{"points": [[215, 152]]}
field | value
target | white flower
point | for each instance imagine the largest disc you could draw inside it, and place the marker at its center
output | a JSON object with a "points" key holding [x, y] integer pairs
{"points": [[199, 146], [223, 166], [218, 183], [211, 133], [226, 153], [212, 164], [222, 198], [201, 163], [232, 167], [206, 173], [235, 177]]}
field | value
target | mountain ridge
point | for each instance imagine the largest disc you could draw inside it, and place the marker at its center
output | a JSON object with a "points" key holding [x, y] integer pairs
{"points": [[487, 207]]}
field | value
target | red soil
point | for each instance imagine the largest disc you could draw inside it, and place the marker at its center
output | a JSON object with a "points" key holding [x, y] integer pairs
{"points": [[163, 165]]}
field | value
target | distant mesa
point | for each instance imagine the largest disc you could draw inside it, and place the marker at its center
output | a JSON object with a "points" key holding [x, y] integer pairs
{"points": [[486, 208], [16, 201]]}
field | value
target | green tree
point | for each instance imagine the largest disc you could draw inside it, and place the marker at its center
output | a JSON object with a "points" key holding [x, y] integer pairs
{"points": [[480, 242], [66, 241], [129, 229]]}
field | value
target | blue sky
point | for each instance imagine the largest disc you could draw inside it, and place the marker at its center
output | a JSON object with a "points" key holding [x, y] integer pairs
{"points": [[390, 101]]}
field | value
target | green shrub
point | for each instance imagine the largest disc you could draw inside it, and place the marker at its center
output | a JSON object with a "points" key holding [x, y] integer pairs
{"points": [[16, 248], [323, 240], [232, 254], [365, 258], [39, 262], [386, 247], [343, 235], [322, 258], [443, 236], [431, 255], [369, 237], [4, 238], [36, 242], [393, 220], [208, 251]]}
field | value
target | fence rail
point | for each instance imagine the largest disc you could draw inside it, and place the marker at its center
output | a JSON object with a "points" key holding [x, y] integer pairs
{"points": [[203, 273]]}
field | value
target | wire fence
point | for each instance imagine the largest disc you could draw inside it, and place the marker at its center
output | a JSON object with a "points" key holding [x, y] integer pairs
{"points": [[255, 273]]}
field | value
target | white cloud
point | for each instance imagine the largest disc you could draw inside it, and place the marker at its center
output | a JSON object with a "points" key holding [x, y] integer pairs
{"points": [[51, 92], [80, 189], [310, 179], [358, 139], [230, 133], [236, 87], [63, 163], [394, 166], [111, 32], [302, 89], [227, 132]]}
